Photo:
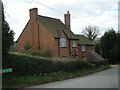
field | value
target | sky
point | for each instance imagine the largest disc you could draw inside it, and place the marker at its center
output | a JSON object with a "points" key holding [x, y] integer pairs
{"points": [[101, 13]]}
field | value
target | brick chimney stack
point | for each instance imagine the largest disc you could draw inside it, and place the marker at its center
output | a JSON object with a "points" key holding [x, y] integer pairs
{"points": [[33, 13], [67, 20]]}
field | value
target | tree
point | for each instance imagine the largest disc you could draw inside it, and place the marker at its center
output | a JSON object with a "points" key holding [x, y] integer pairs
{"points": [[91, 32], [110, 46], [7, 35], [97, 48]]}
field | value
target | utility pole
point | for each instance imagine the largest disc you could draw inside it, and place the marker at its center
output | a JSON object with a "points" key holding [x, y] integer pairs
{"points": [[0, 43], [119, 17]]}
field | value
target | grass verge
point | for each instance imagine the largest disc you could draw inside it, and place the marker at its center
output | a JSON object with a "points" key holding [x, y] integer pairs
{"points": [[20, 82]]}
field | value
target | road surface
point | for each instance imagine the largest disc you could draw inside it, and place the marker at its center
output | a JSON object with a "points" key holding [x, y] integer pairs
{"points": [[104, 79]]}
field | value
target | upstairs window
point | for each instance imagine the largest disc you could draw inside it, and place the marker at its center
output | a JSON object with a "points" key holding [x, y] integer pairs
{"points": [[62, 42], [74, 44], [83, 48]]}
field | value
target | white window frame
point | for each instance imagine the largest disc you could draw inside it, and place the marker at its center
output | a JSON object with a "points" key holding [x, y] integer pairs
{"points": [[74, 45], [83, 48], [84, 58], [62, 42]]}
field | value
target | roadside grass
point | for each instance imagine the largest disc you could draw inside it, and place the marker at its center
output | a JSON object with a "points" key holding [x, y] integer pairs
{"points": [[20, 82]]}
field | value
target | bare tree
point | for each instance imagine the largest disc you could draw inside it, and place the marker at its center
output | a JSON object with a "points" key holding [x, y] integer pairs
{"points": [[91, 32]]}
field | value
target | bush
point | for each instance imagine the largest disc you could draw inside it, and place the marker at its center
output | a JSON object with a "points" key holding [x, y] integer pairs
{"points": [[27, 46], [38, 53], [100, 62], [24, 65]]}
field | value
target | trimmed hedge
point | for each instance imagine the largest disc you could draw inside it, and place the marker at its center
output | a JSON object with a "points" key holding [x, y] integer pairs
{"points": [[23, 65], [100, 62]]}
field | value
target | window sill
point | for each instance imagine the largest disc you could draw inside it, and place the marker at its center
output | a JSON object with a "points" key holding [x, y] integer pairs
{"points": [[63, 47]]}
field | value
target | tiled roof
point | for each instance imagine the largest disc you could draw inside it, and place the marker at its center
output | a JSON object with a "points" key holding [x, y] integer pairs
{"points": [[83, 40], [55, 26]]}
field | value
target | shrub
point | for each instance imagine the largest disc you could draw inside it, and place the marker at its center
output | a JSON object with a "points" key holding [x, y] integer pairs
{"points": [[77, 65], [27, 46], [24, 65], [100, 62], [38, 53]]}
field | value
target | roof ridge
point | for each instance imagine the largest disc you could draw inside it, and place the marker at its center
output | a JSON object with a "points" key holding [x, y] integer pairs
{"points": [[79, 35], [48, 17]]}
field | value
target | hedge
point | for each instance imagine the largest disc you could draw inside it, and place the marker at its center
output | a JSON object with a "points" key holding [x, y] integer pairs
{"points": [[23, 65], [99, 63]]}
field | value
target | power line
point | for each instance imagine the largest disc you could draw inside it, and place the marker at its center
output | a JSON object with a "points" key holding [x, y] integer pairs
{"points": [[60, 11], [88, 22], [47, 6]]}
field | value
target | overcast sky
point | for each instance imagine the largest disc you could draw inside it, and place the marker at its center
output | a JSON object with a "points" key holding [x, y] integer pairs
{"points": [[102, 13]]}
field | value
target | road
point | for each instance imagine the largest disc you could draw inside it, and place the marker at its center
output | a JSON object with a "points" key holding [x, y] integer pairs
{"points": [[104, 79]]}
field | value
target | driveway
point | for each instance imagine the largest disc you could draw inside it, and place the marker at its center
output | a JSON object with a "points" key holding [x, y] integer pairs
{"points": [[104, 79]]}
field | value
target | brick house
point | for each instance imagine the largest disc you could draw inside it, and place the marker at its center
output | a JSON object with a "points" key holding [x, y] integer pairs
{"points": [[48, 33]]}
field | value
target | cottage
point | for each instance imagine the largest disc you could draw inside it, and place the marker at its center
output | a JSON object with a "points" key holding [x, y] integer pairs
{"points": [[48, 33]]}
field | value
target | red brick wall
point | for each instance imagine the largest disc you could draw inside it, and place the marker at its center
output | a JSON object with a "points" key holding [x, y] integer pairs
{"points": [[30, 33], [67, 51], [25, 36], [46, 39], [74, 50], [84, 54], [64, 52]]}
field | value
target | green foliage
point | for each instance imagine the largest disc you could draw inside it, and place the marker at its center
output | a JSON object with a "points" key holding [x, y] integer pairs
{"points": [[23, 65], [110, 46], [115, 52], [38, 53], [7, 36], [42, 53], [24, 81], [100, 62], [97, 48], [27, 46], [107, 43]]}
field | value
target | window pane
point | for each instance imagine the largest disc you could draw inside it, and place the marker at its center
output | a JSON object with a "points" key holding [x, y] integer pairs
{"points": [[83, 47], [62, 42], [74, 44]]}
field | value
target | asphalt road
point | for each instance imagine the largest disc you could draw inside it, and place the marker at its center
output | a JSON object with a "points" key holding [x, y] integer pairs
{"points": [[104, 79]]}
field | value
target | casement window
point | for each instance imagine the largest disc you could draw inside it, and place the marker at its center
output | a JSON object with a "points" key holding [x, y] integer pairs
{"points": [[84, 58], [74, 44], [83, 48], [62, 42]]}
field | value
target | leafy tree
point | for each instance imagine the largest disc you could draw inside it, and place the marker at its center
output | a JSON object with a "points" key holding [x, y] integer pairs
{"points": [[110, 46], [115, 52], [7, 35], [91, 32], [97, 48]]}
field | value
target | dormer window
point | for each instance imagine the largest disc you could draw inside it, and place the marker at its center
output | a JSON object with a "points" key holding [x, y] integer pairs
{"points": [[74, 44], [63, 42]]}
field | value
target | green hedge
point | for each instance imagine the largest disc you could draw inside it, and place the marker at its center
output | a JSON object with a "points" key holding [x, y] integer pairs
{"points": [[38, 53], [100, 62], [23, 65]]}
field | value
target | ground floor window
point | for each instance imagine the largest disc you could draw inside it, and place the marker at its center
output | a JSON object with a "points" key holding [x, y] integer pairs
{"points": [[74, 44], [83, 48], [62, 42], [84, 58]]}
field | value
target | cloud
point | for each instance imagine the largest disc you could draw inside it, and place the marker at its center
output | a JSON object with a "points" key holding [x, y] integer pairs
{"points": [[99, 12]]}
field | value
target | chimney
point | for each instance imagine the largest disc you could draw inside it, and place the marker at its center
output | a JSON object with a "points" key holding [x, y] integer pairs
{"points": [[67, 20], [33, 13]]}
